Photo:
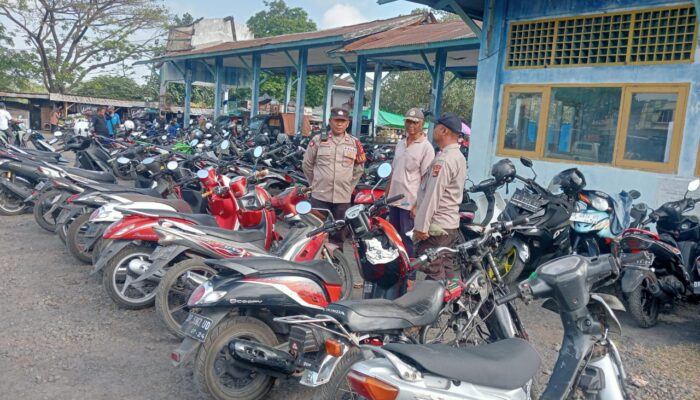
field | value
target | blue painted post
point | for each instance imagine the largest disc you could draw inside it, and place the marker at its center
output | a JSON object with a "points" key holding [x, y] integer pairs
{"points": [[301, 89], [438, 86], [255, 92], [360, 73], [188, 94], [330, 81], [376, 90], [218, 89], [288, 91]]}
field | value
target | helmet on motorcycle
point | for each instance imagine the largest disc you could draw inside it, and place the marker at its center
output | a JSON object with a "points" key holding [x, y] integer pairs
{"points": [[569, 181], [208, 125], [503, 171], [129, 125]]}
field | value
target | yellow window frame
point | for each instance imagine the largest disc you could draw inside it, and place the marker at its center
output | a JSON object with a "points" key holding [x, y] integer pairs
{"points": [[682, 89]]}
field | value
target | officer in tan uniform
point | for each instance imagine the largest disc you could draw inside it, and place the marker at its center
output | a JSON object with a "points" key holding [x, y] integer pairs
{"points": [[333, 164], [439, 197]]}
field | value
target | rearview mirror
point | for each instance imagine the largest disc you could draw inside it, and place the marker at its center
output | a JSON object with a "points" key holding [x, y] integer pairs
{"points": [[194, 142], [207, 142], [171, 165], [163, 137], [208, 135], [694, 185], [202, 174], [200, 146], [303, 207], [148, 161], [123, 160], [225, 145], [384, 170], [257, 152], [58, 134], [526, 162], [634, 194]]}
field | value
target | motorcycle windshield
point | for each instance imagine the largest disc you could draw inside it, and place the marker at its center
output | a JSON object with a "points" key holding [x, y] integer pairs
{"points": [[620, 218]]}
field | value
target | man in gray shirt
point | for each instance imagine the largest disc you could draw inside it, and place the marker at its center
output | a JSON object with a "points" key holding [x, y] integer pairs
{"points": [[412, 157], [439, 197]]}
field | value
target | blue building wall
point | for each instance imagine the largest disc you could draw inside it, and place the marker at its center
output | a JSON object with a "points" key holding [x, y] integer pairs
{"points": [[492, 77]]}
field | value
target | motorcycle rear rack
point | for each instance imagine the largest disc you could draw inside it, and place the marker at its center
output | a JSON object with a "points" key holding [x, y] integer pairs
{"points": [[316, 322]]}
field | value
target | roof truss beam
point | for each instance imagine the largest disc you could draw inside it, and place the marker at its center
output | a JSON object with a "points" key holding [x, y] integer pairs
{"points": [[469, 20]]}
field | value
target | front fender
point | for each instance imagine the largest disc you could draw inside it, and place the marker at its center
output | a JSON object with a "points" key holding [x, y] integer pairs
{"points": [[110, 250], [631, 279], [160, 258], [522, 248]]}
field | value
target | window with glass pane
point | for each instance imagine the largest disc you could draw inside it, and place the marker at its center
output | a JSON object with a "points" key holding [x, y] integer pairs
{"points": [[650, 128], [522, 121], [582, 123]]}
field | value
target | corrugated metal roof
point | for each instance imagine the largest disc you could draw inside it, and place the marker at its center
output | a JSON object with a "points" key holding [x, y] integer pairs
{"points": [[193, 110], [97, 101], [412, 35], [345, 32], [41, 96]]}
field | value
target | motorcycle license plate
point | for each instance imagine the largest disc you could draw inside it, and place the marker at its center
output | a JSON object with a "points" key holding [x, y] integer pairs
{"points": [[526, 201], [196, 327], [641, 259], [585, 218]]}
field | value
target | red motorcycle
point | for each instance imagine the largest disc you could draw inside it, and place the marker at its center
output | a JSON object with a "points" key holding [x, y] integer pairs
{"points": [[132, 240]]}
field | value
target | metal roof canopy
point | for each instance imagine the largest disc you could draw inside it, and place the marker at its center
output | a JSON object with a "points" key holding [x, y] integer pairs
{"points": [[413, 42]]}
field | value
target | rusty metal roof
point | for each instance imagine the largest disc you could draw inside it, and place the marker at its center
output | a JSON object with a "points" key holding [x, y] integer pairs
{"points": [[411, 36], [344, 33]]}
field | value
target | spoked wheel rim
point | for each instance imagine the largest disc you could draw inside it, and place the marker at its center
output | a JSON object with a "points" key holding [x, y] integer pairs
{"points": [[10, 202], [229, 378], [123, 281], [180, 292]]}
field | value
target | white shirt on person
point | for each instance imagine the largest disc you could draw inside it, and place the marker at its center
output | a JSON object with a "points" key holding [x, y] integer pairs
{"points": [[5, 118]]}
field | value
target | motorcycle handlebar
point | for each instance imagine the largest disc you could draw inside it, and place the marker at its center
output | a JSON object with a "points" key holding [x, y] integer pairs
{"points": [[328, 226], [394, 199], [509, 297]]}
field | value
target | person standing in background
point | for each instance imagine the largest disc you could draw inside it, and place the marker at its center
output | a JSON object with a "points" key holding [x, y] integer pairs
{"points": [[99, 123], [55, 117]]}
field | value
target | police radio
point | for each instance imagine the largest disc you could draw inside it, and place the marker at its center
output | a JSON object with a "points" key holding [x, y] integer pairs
{"points": [[324, 134]]}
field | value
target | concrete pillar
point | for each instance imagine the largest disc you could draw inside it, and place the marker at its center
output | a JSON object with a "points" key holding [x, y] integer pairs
{"points": [[218, 89], [360, 73], [288, 91], [163, 89], [438, 87], [376, 92], [255, 92], [330, 81], [188, 95], [301, 89]]}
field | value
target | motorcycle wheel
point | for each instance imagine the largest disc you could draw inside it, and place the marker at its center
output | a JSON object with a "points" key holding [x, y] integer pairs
{"points": [[342, 266], [75, 239], [337, 387], [213, 370], [116, 280], [643, 305], [62, 231], [510, 266], [10, 204], [446, 329], [175, 289], [41, 206]]}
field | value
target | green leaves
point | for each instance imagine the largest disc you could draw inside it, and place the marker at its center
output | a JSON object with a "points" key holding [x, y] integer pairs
{"points": [[278, 19], [18, 68], [111, 87]]}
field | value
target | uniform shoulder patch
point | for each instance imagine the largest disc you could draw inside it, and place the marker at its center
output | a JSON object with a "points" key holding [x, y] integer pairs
{"points": [[436, 169]]}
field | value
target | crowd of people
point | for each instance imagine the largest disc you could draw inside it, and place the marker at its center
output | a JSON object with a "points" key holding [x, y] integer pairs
{"points": [[432, 184]]}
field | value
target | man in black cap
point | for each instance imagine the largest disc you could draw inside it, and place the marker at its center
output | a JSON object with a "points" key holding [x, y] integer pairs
{"points": [[439, 196], [333, 164]]}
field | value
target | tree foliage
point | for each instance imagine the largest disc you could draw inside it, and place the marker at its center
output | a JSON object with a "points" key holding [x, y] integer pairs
{"points": [[73, 38], [186, 20], [407, 89], [17, 67], [111, 87], [279, 19]]}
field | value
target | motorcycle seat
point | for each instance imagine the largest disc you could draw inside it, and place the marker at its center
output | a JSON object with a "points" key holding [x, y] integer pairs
{"points": [[199, 219], [321, 268], [177, 204], [418, 307], [97, 176], [506, 364], [115, 189], [240, 236]]}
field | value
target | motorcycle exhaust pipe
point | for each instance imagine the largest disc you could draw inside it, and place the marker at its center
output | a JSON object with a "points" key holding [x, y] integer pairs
{"points": [[262, 358], [18, 190]]}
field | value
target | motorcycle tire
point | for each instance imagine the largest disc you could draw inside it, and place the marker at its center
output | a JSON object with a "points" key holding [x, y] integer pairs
{"points": [[341, 264], [75, 229], [510, 266], [10, 204], [173, 287], [62, 231], [337, 387], [215, 348], [40, 208], [643, 306], [116, 268]]}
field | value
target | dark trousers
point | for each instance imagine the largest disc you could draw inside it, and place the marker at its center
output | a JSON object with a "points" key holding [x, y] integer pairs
{"points": [[443, 267], [54, 128], [402, 221], [338, 211]]}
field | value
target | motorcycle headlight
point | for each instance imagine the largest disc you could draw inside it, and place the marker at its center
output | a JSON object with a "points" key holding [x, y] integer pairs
{"points": [[600, 204]]}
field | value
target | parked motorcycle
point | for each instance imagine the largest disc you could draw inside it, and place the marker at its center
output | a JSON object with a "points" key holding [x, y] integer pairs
{"points": [[670, 272]]}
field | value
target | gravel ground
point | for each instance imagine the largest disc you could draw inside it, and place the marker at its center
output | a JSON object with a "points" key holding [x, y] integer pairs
{"points": [[63, 338]]}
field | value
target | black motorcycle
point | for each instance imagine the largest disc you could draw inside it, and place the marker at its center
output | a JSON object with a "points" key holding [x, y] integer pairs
{"points": [[670, 269]]}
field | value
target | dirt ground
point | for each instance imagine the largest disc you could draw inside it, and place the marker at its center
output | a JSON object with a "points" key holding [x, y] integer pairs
{"points": [[63, 338]]}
